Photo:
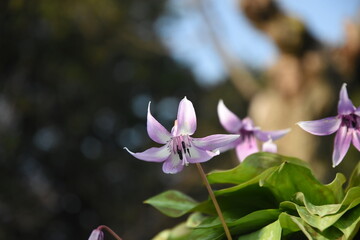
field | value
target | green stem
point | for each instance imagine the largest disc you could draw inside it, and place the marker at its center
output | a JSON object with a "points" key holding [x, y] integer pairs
{"points": [[213, 198]]}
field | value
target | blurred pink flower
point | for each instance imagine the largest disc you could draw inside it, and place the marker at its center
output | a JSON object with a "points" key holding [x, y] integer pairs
{"points": [[247, 143]]}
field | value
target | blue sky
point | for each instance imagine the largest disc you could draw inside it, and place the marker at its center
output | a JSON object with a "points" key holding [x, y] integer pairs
{"points": [[187, 38]]}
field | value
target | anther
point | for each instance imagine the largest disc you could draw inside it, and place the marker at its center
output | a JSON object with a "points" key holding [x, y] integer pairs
{"points": [[183, 145], [180, 153]]}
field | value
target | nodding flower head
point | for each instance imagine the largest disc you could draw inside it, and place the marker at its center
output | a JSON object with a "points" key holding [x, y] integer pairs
{"points": [[179, 148], [96, 234]]}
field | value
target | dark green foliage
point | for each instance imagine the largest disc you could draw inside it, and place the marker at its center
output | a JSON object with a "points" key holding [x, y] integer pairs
{"points": [[272, 195]]}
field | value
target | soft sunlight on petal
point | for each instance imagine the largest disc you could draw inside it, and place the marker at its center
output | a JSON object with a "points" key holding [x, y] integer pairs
{"points": [[96, 235], [356, 139], [342, 144], [156, 131], [247, 147], [228, 119], [215, 141], [173, 165], [266, 135], [345, 106], [152, 154], [269, 146], [321, 127], [198, 155], [186, 118]]}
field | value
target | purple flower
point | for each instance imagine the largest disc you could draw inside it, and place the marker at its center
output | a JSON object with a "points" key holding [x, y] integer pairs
{"points": [[346, 123], [247, 143], [96, 234], [179, 148]]}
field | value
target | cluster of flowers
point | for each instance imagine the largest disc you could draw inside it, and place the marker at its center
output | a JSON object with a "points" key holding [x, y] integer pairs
{"points": [[179, 148]]}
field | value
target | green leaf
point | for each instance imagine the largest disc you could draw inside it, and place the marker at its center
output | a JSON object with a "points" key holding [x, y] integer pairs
{"points": [[207, 234], [321, 210], [290, 178], [179, 232], [253, 221], [355, 177], [351, 200], [172, 203], [251, 167], [247, 223], [240, 201], [323, 222], [349, 224], [287, 224], [336, 186], [195, 220], [271, 231], [302, 226]]}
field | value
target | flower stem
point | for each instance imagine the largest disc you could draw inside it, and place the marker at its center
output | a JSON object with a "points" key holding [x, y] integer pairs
{"points": [[213, 198], [109, 231]]}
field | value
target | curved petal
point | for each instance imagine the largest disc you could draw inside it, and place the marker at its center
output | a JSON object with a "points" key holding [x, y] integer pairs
{"points": [[186, 118], [247, 147], [341, 144], [152, 154], [345, 106], [357, 111], [269, 146], [173, 164], [96, 235], [198, 155], [356, 139], [228, 119], [156, 131], [216, 141], [321, 127], [273, 135], [248, 124]]}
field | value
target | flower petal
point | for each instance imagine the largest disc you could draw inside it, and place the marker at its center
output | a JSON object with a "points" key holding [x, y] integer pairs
{"points": [[321, 127], [198, 155], [216, 141], [186, 118], [269, 146], [356, 139], [342, 144], [357, 111], [273, 135], [248, 124], [96, 235], [152, 154], [228, 119], [173, 164], [345, 106], [156, 131], [247, 147]]}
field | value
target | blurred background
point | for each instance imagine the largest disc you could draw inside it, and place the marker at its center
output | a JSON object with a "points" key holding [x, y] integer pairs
{"points": [[76, 78]]}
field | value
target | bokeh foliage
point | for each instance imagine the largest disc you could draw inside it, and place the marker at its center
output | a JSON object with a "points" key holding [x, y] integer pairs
{"points": [[75, 81]]}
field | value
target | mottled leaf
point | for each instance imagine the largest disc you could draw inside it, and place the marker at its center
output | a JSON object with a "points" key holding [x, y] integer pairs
{"points": [[172, 203]]}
